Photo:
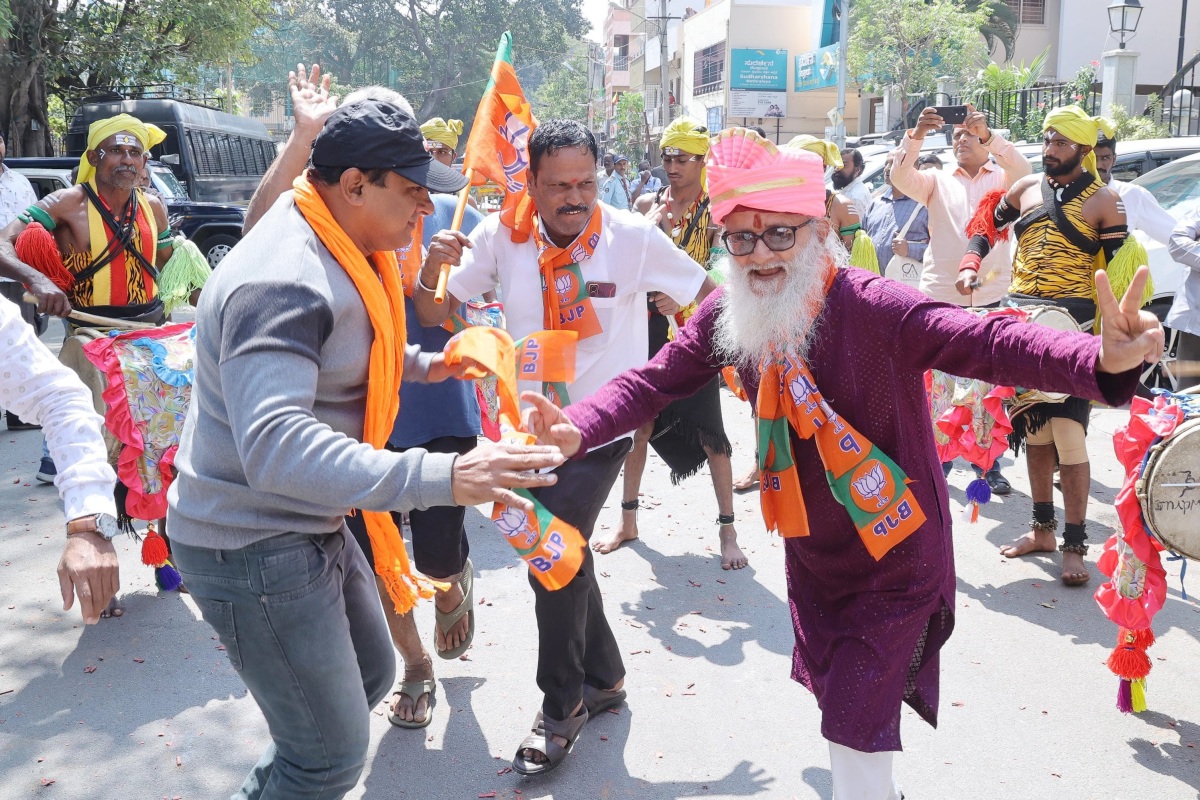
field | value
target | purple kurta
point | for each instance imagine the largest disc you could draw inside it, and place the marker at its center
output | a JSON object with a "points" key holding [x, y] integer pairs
{"points": [[868, 632]]}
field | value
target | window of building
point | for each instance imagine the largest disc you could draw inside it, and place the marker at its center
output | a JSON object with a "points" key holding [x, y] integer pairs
{"points": [[708, 72], [1028, 12], [620, 52]]}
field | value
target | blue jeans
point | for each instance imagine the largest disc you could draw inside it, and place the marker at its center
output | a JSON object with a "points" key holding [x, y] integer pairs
{"points": [[300, 619]]}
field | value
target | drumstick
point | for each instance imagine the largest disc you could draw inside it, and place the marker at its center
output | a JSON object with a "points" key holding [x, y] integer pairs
{"points": [[103, 322]]}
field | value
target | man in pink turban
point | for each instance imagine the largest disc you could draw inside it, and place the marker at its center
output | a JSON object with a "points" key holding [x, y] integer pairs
{"points": [[835, 358]]}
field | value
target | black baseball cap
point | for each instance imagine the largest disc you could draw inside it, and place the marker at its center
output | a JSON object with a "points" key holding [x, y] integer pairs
{"points": [[374, 134]]}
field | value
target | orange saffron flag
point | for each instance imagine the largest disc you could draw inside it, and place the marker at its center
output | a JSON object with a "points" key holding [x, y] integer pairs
{"points": [[498, 148], [551, 548]]}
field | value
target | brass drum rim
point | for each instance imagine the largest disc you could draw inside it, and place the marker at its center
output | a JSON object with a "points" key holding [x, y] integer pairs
{"points": [[1146, 483]]}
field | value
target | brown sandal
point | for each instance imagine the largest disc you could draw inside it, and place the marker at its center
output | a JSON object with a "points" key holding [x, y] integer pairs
{"points": [[597, 701], [540, 739]]}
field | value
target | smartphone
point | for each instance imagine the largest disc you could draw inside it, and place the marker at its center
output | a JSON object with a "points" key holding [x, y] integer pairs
{"points": [[953, 115], [601, 289]]}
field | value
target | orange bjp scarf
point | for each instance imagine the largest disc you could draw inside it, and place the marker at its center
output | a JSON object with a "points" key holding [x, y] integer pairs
{"points": [[383, 295]]}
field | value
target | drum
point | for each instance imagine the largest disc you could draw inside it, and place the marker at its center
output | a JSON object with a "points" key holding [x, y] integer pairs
{"points": [[1051, 317], [1169, 489], [73, 357]]}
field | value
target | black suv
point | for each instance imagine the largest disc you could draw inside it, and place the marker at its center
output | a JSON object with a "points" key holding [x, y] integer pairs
{"points": [[214, 227]]}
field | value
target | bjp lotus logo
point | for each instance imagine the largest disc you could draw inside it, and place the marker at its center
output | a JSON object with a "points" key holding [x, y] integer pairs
{"points": [[514, 524], [870, 482], [564, 285]]}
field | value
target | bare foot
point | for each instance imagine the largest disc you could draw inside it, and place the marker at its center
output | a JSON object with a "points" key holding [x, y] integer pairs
{"points": [[402, 705], [747, 481], [446, 602], [627, 531], [1036, 541], [1075, 571], [115, 609], [732, 556]]}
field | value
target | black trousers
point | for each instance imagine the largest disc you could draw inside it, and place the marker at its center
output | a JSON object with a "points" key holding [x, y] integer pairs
{"points": [[575, 643], [1188, 350], [439, 539]]}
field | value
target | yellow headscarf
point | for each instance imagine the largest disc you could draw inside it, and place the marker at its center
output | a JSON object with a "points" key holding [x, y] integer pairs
{"points": [[690, 136], [827, 150], [1075, 124], [443, 131], [149, 135]]}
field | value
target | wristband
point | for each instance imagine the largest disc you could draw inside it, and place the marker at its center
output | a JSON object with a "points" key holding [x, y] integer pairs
{"points": [[421, 284], [970, 261]]}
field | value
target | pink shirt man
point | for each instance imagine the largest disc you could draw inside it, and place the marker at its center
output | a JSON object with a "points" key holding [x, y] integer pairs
{"points": [[952, 200]]}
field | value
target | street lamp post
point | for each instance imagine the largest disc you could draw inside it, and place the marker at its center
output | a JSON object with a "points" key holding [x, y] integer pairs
{"points": [[1119, 66]]}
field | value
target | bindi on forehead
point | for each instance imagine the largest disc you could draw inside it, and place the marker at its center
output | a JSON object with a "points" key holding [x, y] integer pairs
{"points": [[757, 220]]}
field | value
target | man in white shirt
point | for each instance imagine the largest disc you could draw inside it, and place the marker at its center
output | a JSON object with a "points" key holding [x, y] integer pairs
{"points": [[16, 195], [953, 199], [600, 263], [848, 181], [1142, 211], [39, 388]]}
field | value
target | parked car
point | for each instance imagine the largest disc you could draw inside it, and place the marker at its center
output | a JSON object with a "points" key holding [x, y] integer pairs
{"points": [[214, 227], [217, 157]]}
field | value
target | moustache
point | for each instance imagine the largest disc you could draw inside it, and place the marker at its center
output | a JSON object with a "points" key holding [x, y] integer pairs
{"points": [[572, 209]]}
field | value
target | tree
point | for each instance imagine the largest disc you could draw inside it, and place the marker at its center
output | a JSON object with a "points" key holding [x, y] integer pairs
{"points": [[564, 94], [438, 53], [907, 44], [629, 124], [70, 48]]}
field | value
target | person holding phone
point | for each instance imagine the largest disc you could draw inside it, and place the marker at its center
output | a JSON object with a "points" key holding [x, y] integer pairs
{"points": [[986, 162]]}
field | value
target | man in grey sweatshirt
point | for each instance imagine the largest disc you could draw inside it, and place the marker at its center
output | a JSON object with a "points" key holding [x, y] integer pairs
{"points": [[272, 457]]}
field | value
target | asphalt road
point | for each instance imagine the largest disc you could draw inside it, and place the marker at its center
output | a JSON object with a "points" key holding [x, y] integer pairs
{"points": [[146, 706]]}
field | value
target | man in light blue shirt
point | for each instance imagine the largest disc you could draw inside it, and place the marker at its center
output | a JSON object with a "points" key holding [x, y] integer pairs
{"points": [[621, 191], [888, 216]]}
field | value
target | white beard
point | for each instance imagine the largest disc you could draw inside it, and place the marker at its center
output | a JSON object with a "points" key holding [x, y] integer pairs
{"points": [[751, 328]]}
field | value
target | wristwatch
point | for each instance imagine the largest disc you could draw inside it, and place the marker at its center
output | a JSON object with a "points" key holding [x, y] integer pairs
{"points": [[103, 524]]}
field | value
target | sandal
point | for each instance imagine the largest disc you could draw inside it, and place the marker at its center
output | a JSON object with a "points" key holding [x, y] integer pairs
{"points": [[445, 620], [540, 739], [413, 690], [597, 701]]}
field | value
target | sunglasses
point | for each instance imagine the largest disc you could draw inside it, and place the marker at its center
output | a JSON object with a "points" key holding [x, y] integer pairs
{"points": [[779, 239]]}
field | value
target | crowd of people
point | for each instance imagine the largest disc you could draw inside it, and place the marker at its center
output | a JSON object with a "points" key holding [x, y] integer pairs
{"points": [[326, 417]]}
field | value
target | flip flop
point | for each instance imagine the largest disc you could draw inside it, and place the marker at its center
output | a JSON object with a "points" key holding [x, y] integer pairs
{"points": [[413, 690], [539, 739], [597, 701], [445, 620]]}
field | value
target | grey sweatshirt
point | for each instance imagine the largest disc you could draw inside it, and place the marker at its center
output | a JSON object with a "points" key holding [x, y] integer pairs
{"points": [[272, 443]]}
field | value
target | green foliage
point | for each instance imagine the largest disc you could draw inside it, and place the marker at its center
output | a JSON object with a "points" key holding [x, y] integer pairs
{"points": [[1000, 28], [438, 53], [564, 94], [1079, 88], [908, 44], [997, 91], [1146, 126], [629, 125]]}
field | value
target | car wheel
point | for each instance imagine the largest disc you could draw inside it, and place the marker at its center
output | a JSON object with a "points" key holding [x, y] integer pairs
{"points": [[217, 247], [1161, 375]]}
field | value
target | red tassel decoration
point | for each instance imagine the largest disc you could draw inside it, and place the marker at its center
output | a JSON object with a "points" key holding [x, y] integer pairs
{"points": [[984, 221], [37, 248], [154, 549]]}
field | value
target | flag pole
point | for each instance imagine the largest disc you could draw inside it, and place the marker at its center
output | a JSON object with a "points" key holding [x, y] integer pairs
{"points": [[439, 294]]}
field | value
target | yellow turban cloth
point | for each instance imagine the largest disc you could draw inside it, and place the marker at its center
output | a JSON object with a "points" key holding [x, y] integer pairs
{"points": [[1074, 123], [149, 135], [828, 151], [443, 131], [690, 136]]}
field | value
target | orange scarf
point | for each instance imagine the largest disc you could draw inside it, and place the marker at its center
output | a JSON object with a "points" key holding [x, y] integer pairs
{"points": [[383, 295], [562, 280]]}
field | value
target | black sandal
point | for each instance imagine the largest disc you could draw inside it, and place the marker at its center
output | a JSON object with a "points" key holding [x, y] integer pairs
{"points": [[540, 739], [597, 701]]}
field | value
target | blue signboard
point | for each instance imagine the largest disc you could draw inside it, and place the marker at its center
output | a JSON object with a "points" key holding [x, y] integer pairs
{"points": [[758, 70], [817, 69]]}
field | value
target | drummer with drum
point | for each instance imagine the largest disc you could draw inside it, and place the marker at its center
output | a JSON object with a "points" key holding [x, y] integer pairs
{"points": [[1066, 223]]}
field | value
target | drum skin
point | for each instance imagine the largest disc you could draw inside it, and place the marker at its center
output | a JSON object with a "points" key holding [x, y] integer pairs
{"points": [[1172, 512]]}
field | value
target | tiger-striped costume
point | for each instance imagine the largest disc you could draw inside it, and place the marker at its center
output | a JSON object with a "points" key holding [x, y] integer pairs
{"points": [[1048, 264]]}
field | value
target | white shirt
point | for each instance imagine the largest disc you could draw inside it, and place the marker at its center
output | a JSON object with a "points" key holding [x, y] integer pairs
{"points": [[1143, 213], [39, 389], [860, 195], [16, 195], [633, 254]]}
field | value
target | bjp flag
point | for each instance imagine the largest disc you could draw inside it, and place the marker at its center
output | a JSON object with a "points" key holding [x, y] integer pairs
{"points": [[498, 148]]}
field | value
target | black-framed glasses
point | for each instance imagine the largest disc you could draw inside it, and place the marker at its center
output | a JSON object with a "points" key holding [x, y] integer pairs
{"points": [[779, 239]]}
